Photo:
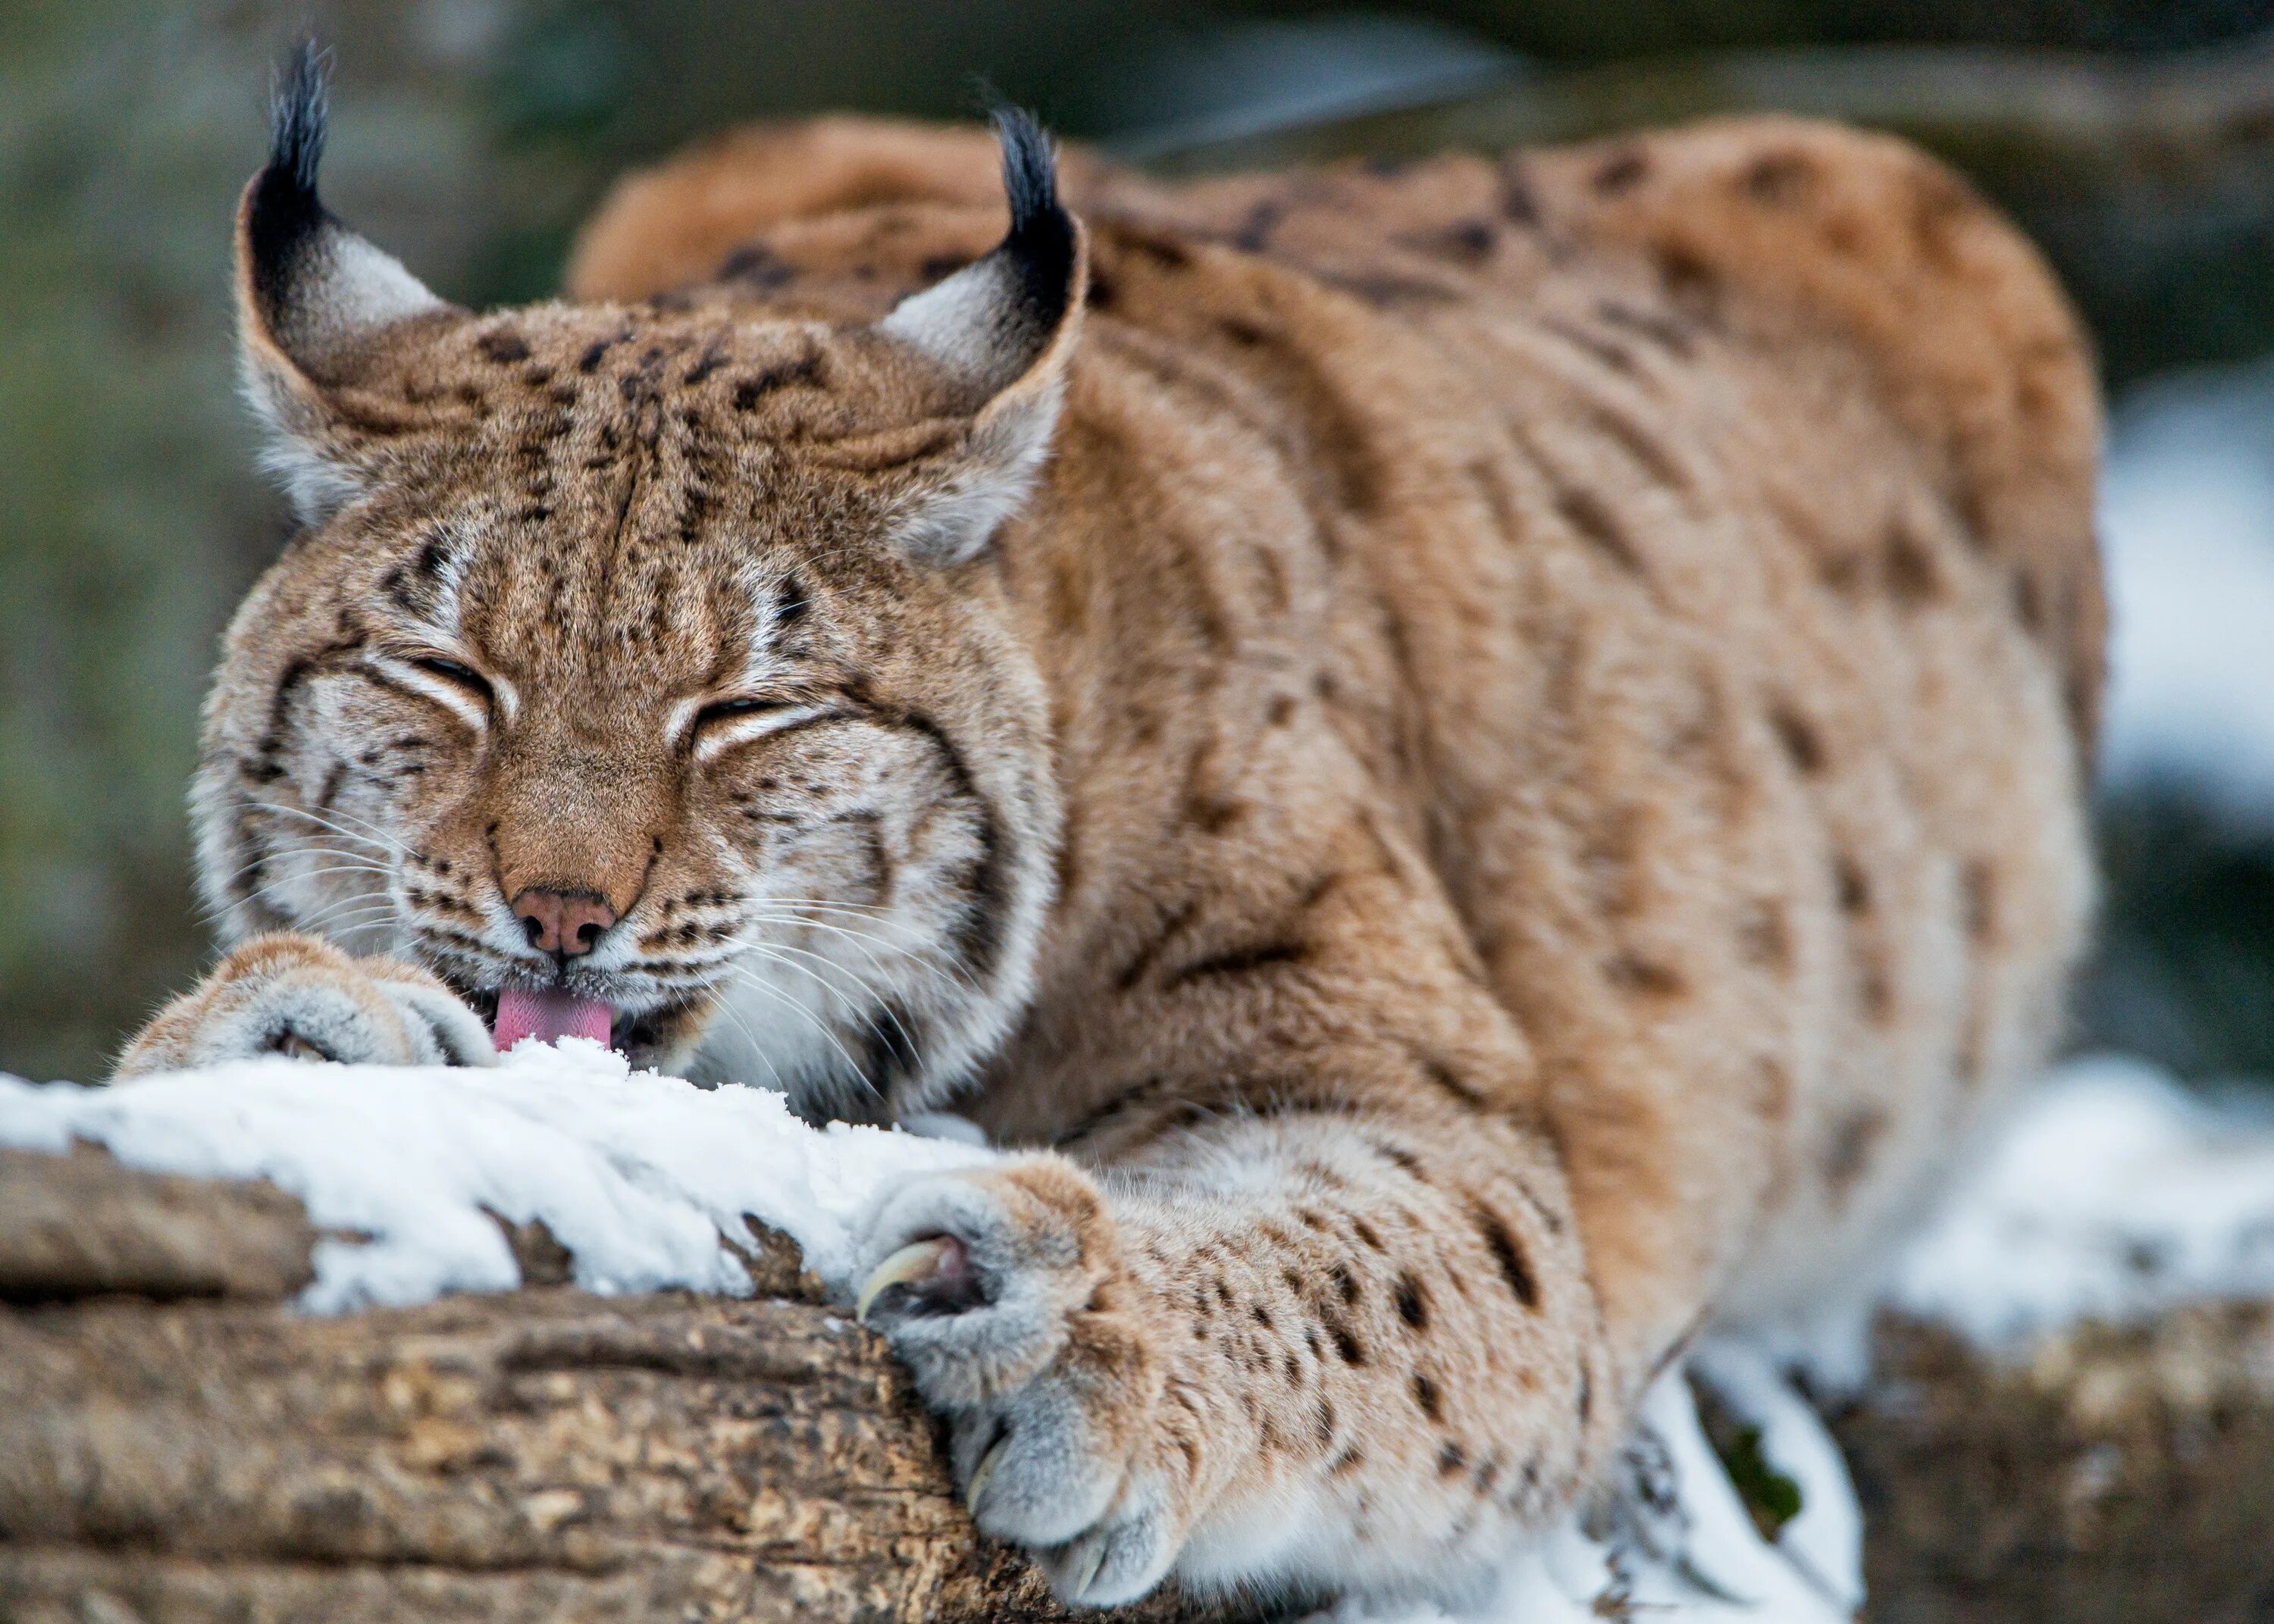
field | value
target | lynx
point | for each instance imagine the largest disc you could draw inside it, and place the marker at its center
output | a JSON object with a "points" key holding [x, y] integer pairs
{"points": [[1473, 766]]}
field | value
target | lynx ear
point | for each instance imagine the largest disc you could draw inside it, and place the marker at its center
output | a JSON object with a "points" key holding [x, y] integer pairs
{"points": [[1004, 327], [310, 292]]}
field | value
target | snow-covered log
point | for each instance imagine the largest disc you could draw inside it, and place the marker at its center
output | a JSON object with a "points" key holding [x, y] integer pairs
{"points": [[553, 1339], [178, 1444]]}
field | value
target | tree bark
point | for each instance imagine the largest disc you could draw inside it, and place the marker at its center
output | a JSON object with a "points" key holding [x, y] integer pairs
{"points": [[178, 1445]]}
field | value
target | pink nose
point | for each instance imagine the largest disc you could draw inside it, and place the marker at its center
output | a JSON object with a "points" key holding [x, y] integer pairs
{"points": [[565, 922]]}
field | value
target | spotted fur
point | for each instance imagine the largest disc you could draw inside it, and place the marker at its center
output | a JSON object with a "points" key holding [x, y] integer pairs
{"points": [[1509, 787]]}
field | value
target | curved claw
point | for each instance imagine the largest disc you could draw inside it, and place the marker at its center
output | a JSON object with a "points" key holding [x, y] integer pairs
{"points": [[1083, 1561], [981, 1473], [912, 1265]]}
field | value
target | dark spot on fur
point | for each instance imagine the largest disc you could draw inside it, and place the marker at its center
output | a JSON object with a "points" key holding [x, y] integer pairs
{"points": [[805, 372], [1850, 1150], [1242, 961], [1803, 746], [1586, 513], [1346, 1344], [1166, 253], [1977, 891], [1912, 578], [1348, 1462], [1322, 1423], [1778, 179], [1775, 1085], [1402, 1159], [1465, 242], [1765, 936], [504, 346], [709, 362], [1613, 355], [1254, 233], [1621, 171], [1850, 885], [1513, 1267], [1451, 1460], [1344, 1282], [1689, 281], [1412, 1303], [791, 603], [1634, 973], [2028, 603], [1281, 711], [1519, 204], [1875, 987], [1366, 1234], [1425, 1397], [757, 267]]}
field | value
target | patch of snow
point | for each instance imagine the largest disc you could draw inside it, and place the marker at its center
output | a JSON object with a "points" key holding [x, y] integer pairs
{"points": [[1678, 1546], [2111, 1193], [2187, 522], [638, 1175]]}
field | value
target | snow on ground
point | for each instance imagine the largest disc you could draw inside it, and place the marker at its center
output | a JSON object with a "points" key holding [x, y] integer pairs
{"points": [[2188, 520], [2110, 1192]]}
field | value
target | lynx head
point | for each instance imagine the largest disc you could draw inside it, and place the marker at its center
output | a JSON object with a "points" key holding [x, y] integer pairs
{"points": [[644, 671]]}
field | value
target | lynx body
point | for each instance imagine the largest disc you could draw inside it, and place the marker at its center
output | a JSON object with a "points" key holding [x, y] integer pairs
{"points": [[1479, 762]]}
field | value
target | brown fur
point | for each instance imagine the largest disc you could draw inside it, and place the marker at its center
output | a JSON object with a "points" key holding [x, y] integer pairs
{"points": [[1532, 728]]}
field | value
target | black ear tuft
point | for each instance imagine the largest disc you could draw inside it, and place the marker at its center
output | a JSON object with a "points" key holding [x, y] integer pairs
{"points": [[284, 213], [299, 111], [1042, 240]]}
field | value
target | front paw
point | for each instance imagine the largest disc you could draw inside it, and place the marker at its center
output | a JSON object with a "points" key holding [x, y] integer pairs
{"points": [[1005, 1294], [302, 998]]}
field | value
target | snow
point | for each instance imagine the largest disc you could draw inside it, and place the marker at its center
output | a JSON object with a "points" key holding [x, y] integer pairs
{"points": [[2110, 1192], [1679, 1545], [2188, 522], [638, 1175]]}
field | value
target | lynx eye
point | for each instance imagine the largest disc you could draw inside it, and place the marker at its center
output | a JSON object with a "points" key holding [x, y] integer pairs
{"points": [[730, 709], [451, 672]]}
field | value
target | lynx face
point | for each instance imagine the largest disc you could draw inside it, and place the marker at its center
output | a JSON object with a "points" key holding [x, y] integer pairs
{"points": [[641, 671]]}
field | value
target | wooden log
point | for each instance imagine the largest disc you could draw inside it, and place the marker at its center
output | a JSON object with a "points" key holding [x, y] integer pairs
{"points": [[2109, 1475], [178, 1446]]}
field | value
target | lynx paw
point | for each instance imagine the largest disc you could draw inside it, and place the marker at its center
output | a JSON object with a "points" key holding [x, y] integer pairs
{"points": [[297, 996], [1005, 1294]]}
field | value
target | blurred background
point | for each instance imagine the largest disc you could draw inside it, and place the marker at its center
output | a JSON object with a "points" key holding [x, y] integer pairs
{"points": [[2135, 138]]}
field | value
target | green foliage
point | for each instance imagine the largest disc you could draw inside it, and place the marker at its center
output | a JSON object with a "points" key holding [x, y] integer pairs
{"points": [[1770, 1498]]}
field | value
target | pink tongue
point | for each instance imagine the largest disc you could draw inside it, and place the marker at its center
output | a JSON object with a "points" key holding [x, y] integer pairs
{"points": [[549, 1017]]}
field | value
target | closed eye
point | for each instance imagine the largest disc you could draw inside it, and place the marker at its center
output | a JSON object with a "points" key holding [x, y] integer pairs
{"points": [[444, 681], [451, 672], [728, 710], [723, 724]]}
